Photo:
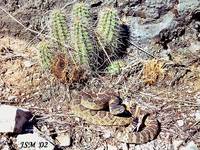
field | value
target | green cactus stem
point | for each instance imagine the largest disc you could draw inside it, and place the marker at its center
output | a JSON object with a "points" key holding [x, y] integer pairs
{"points": [[59, 29], [82, 42], [81, 12], [45, 55], [115, 67], [108, 26]]}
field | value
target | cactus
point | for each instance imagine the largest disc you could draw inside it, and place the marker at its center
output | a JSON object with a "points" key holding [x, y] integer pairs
{"points": [[59, 29], [81, 12], [115, 67], [108, 26], [82, 40], [45, 55]]}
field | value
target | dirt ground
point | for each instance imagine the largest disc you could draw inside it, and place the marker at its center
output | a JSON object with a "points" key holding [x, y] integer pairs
{"points": [[171, 92]]}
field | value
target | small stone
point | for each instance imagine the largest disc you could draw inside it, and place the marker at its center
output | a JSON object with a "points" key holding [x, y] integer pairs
{"points": [[34, 141], [107, 134], [180, 123], [101, 148], [64, 140], [12, 98], [77, 119], [123, 146], [111, 147], [176, 144], [6, 147], [28, 63], [197, 115], [190, 146]]}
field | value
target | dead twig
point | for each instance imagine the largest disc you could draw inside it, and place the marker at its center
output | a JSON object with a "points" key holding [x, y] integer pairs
{"points": [[141, 49]]}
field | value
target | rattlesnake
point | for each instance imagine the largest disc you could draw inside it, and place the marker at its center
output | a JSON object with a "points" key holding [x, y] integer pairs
{"points": [[90, 107]]}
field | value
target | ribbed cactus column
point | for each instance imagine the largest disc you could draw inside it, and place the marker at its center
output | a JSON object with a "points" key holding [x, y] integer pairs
{"points": [[108, 27], [59, 29], [115, 67], [81, 11], [81, 37], [45, 55]]}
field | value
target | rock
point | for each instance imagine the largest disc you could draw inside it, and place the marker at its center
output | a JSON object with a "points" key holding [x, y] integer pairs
{"points": [[107, 134], [12, 98], [101, 148], [64, 140], [28, 63], [33, 141], [142, 31], [176, 144], [197, 115], [123, 146], [14, 119], [6, 147], [190, 146], [197, 97], [180, 123], [187, 6], [111, 147]]}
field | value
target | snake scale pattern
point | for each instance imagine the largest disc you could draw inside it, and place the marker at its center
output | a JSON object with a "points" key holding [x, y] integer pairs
{"points": [[91, 106]]}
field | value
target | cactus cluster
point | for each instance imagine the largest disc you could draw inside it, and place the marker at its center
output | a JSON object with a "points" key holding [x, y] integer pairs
{"points": [[85, 41]]}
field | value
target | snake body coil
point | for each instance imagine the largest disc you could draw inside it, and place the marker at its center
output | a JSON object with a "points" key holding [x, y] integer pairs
{"points": [[90, 107]]}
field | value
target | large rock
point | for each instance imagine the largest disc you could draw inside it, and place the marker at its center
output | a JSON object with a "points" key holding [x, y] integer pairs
{"points": [[13, 119], [186, 6]]}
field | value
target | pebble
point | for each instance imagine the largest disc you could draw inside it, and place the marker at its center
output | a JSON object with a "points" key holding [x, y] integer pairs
{"points": [[197, 115], [180, 123], [28, 63], [190, 146], [123, 146], [64, 140], [111, 147], [12, 98], [101, 148], [6, 147], [176, 144], [107, 134]]}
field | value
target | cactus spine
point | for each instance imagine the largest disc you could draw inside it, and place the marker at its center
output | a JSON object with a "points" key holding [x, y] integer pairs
{"points": [[59, 29], [81, 38], [45, 55], [115, 67], [107, 27]]}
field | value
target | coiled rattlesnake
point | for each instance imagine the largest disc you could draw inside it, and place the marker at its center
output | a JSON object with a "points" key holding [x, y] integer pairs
{"points": [[91, 107]]}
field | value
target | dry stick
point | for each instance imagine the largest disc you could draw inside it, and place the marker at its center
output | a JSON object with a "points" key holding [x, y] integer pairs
{"points": [[132, 63], [103, 48], [141, 49], [18, 21]]}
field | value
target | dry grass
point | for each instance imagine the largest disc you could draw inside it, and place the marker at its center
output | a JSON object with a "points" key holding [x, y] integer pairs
{"points": [[152, 71]]}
